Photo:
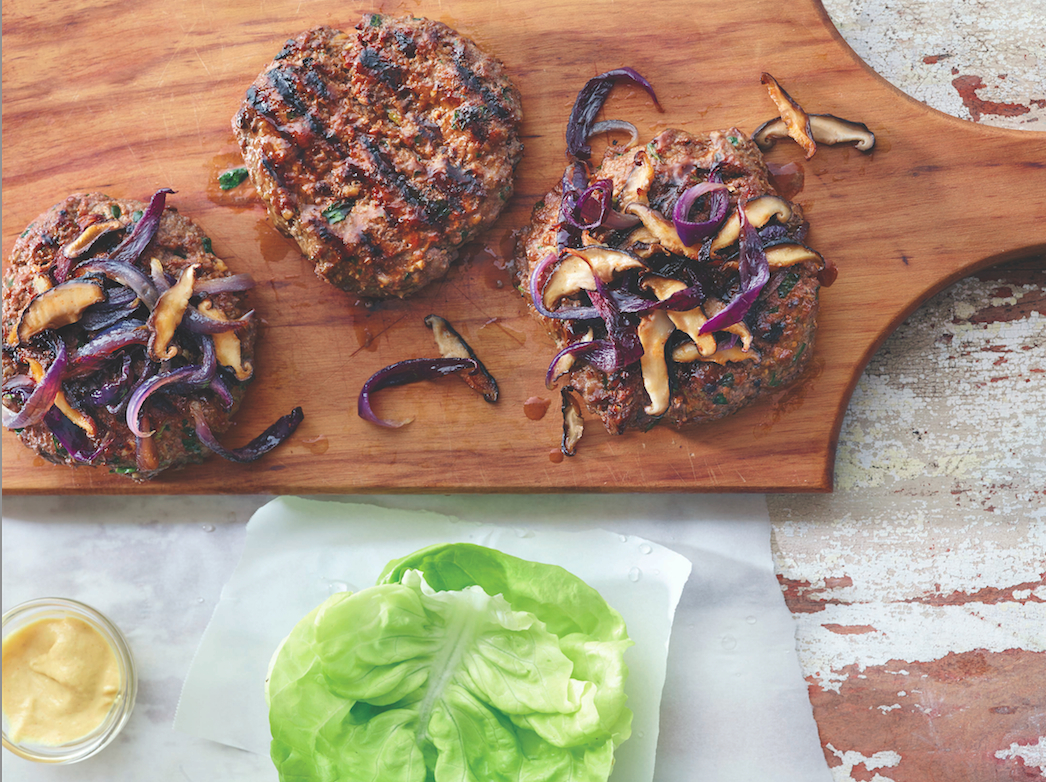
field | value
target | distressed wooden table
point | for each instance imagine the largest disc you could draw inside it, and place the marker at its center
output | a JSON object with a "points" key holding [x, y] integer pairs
{"points": [[919, 586]]}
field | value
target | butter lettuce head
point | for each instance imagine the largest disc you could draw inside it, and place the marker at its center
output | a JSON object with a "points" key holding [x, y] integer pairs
{"points": [[462, 663]]}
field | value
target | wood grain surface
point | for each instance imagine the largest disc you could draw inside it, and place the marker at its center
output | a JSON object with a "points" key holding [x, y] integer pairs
{"points": [[125, 99]]}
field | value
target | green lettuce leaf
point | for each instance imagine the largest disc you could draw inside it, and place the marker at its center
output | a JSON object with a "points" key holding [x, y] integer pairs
{"points": [[462, 664]]}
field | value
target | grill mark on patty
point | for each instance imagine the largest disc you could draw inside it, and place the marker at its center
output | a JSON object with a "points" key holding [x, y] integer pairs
{"points": [[470, 80], [383, 173], [388, 73]]}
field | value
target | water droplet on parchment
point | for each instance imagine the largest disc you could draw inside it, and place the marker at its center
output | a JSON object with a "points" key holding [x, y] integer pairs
{"points": [[646, 548], [750, 620], [334, 587], [207, 527], [729, 642], [635, 574], [524, 533]]}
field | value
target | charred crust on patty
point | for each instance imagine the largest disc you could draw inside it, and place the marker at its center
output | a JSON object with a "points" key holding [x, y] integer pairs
{"points": [[382, 150]]}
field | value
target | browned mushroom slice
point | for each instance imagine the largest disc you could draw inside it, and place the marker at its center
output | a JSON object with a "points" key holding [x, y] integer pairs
{"points": [[826, 129], [663, 230], [573, 422], [654, 330], [759, 211], [88, 236], [829, 129], [795, 119], [227, 344], [169, 311], [637, 185], [452, 345], [58, 306], [782, 255], [579, 268], [779, 256], [687, 353], [688, 321], [713, 306]]}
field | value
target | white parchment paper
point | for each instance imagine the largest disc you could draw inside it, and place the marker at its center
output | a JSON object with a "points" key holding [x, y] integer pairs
{"points": [[735, 705]]}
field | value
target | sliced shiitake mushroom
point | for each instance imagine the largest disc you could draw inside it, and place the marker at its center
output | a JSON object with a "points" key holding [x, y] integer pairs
{"points": [[826, 129], [796, 120], [654, 329], [82, 243], [779, 256], [169, 311], [453, 345], [59, 306], [579, 268], [687, 353], [573, 421], [759, 211], [636, 188], [688, 321], [663, 230], [227, 345]]}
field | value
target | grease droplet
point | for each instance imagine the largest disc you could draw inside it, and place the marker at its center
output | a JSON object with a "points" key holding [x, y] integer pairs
{"points": [[318, 444], [535, 407], [635, 574]]}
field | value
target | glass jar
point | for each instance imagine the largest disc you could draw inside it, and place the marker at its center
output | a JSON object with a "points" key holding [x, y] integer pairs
{"points": [[119, 711]]}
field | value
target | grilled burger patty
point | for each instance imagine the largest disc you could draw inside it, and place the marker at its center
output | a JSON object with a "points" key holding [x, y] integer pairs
{"points": [[779, 327], [88, 423], [382, 150]]}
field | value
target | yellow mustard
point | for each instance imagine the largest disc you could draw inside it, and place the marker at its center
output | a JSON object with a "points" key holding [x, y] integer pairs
{"points": [[60, 680]]}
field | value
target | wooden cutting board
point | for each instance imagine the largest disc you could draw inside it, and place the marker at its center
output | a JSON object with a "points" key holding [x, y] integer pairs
{"points": [[127, 98]]}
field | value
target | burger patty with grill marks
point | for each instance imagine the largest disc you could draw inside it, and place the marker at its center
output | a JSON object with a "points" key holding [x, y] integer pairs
{"points": [[382, 150]]}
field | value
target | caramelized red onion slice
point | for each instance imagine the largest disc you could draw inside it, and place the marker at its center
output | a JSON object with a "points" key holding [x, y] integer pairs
{"points": [[198, 323], [590, 100], [276, 434], [692, 233], [74, 439], [754, 270], [189, 377], [91, 356], [43, 395], [130, 249], [593, 209], [575, 180], [614, 126], [109, 393], [233, 283], [125, 274], [401, 373]]}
